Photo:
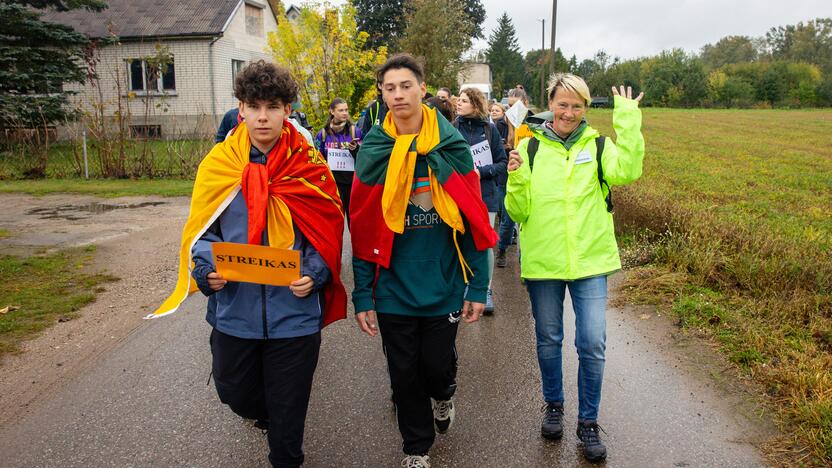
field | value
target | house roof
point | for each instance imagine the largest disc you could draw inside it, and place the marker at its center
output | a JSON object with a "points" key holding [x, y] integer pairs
{"points": [[132, 19]]}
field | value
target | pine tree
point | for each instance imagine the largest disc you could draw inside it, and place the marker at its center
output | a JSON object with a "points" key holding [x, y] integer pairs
{"points": [[504, 56], [36, 60]]}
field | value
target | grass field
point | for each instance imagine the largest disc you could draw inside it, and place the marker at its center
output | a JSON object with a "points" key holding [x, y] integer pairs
{"points": [[40, 290], [730, 228]]}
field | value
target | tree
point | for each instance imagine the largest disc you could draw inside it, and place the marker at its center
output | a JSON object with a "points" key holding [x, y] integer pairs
{"points": [[37, 58], [327, 54], [730, 49], [475, 16], [440, 44], [674, 79], [810, 42], [385, 20], [504, 57], [537, 62]]}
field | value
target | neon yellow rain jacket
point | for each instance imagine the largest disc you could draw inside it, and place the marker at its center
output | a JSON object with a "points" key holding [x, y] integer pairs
{"points": [[566, 232]]}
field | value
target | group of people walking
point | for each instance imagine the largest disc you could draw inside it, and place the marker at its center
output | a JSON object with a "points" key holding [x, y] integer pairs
{"points": [[421, 195]]}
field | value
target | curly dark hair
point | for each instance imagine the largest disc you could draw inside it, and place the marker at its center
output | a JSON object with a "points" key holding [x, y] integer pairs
{"points": [[263, 81], [399, 61]]}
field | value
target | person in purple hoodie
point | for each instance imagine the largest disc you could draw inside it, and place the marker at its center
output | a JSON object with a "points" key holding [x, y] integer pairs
{"points": [[338, 142]]}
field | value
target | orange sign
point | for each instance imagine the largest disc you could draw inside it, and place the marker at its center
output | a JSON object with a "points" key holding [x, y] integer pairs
{"points": [[256, 263]]}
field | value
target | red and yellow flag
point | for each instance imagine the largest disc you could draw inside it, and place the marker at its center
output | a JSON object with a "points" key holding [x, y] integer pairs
{"points": [[295, 187]]}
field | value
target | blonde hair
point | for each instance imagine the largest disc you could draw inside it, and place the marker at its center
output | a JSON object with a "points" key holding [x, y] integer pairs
{"points": [[571, 83], [478, 101]]}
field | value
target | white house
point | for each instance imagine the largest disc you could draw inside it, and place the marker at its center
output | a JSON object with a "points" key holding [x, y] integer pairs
{"points": [[210, 41], [476, 75]]}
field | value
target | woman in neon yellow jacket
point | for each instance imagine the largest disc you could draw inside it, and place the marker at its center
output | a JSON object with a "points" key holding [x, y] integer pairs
{"points": [[558, 195]]}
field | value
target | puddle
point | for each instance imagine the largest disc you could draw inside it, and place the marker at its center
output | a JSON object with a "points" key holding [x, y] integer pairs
{"points": [[78, 212]]}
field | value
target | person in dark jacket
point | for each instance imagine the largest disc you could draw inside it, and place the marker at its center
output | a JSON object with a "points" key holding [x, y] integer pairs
{"points": [[373, 114], [340, 139], [498, 118], [489, 157]]}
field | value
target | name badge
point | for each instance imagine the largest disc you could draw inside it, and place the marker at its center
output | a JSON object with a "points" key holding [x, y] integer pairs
{"points": [[481, 152], [583, 157], [340, 159]]}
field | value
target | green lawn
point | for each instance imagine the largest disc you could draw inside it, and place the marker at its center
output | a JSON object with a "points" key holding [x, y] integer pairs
{"points": [[41, 290], [733, 221], [100, 187]]}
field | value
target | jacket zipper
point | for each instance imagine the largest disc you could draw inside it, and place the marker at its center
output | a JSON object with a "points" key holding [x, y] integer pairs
{"points": [[265, 323]]}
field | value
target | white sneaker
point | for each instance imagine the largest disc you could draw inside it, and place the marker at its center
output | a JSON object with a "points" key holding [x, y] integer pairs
{"points": [[416, 461], [443, 415]]}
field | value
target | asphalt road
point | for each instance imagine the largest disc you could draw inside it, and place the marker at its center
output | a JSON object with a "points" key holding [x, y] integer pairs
{"points": [[147, 402]]}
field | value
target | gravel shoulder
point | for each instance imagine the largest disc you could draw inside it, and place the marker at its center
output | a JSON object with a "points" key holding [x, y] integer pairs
{"points": [[134, 238]]}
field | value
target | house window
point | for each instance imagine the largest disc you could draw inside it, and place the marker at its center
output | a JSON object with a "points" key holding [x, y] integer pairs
{"points": [[254, 20], [236, 67], [146, 131], [143, 77]]}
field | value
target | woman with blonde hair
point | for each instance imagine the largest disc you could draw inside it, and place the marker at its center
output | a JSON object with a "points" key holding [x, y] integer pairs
{"points": [[558, 191], [489, 159]]}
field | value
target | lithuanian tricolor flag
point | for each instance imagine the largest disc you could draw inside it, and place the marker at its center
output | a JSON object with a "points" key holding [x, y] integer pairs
{"points": [[384, 179], [295, 187]]}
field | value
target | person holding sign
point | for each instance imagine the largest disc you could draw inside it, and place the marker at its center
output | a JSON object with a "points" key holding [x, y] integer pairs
{"points": [[264, 185], [489, 159], [558, 190], [419, 234], [338, 142]]}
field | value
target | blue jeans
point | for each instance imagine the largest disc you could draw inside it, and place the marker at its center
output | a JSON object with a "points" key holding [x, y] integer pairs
{"points": [[506, 229], [589, 299]]}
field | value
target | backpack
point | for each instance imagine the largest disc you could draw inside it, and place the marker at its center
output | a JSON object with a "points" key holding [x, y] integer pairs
{"points": [[534, 145]]}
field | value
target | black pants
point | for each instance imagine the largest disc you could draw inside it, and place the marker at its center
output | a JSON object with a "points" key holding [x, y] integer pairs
{"points": [[344, 190], [269, 380], [421, 358]]}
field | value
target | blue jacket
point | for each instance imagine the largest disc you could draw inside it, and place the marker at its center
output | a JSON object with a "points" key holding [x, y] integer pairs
{"points": [[473, 130], [229, 120], [255, 311]]}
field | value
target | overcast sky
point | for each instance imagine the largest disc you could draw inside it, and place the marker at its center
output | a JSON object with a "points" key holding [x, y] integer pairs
{"points": [[636, 28]]}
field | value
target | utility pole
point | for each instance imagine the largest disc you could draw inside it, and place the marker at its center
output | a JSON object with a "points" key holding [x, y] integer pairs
{"points": [[552, 42], [542, 61]]}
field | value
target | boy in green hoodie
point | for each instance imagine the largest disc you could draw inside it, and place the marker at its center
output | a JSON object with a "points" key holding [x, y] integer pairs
{"points": [[419, 243]]}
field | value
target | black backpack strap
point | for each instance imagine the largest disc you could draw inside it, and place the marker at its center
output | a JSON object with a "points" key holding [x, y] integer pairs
{"points": [[599, 151], [534, 145], [488, 132]]}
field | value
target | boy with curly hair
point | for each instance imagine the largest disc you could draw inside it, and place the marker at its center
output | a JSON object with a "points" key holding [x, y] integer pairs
{"points": [[265, 185]]}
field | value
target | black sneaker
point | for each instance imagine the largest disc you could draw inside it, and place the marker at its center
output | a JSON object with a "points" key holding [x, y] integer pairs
{"points": [[501, 258], [262, 424], [591, 445], [552, 425]]}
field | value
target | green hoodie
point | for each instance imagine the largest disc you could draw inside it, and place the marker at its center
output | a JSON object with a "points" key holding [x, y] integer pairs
{"points": [[425, 277], [566, 232]]}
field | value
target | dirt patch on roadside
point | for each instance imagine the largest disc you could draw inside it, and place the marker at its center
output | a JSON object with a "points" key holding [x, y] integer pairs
{"points": [[137, 239]]}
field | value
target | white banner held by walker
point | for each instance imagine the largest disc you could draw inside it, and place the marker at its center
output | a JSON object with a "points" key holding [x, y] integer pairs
{"points": [[340, 159], [516, 114], [481, 152]]}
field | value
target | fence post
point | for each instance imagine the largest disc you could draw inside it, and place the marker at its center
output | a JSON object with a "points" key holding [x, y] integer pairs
{"points": [[86, 165]]}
